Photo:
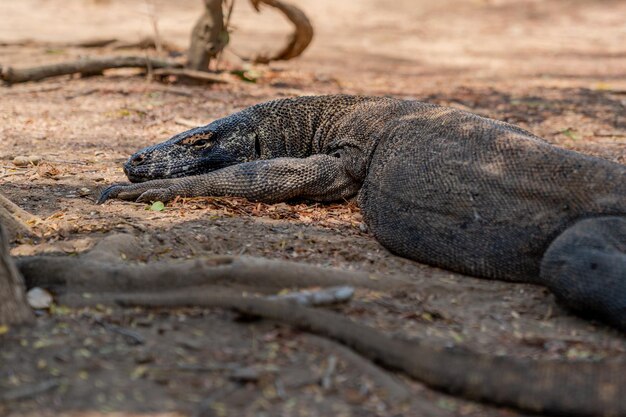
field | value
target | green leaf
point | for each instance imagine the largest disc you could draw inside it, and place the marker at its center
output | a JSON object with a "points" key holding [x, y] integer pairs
{"points": [[157, 206], [249, 76], [571, 133]]}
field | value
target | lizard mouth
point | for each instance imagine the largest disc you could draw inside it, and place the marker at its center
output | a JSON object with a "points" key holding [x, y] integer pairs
{"points": [[147, 172]]}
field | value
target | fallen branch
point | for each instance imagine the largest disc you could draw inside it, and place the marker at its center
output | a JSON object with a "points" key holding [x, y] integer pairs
{"points": [[84, 66], [542, 386], [299, 39], [147, 42]]}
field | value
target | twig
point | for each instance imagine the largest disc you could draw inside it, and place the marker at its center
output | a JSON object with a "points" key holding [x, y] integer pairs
{"points": [[13, 174], [92, 43], [191, 74], [28, 391], [34, 90], [132, 337], [147, 42], [151, 12]]}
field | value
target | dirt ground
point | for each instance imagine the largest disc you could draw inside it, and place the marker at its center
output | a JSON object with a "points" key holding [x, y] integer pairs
{"points": [[557, 68]]}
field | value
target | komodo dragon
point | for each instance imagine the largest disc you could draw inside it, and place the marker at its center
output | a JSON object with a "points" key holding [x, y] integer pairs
{"points": [[437, 185]]}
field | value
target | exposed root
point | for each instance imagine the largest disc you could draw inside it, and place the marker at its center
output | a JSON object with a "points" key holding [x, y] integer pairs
{"points": [[551, 387], [84, 66], [395, 391], [13, 306], [103, 269], [17, 221], [262, 275]]}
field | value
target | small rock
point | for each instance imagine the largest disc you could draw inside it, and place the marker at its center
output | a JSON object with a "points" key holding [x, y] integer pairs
{"points": [[38, 298], [34, 159], [22, 160]]}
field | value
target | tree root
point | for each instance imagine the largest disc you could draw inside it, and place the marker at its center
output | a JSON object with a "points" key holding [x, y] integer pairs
{"points": [[11, 75], [17, 221], [394, 390], [13, 306], [299, 39], [551, 387], [102, 270], [83, 274]]}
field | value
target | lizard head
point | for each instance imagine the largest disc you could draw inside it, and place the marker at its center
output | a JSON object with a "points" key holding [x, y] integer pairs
{"points": [[224, 142]]}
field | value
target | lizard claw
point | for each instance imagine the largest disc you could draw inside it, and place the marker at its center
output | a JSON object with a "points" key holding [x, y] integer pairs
{"points": [[156, 194], [112, 191], [145, 192]]}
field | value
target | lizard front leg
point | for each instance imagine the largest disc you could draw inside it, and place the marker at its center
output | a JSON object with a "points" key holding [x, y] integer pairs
{"points": [[318, 177]]}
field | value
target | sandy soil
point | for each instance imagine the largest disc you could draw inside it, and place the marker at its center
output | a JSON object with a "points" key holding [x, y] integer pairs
{"points": [[557, 68]]}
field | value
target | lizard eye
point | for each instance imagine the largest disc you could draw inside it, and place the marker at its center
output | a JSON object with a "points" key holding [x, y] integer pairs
{"points": [[200, 142]]}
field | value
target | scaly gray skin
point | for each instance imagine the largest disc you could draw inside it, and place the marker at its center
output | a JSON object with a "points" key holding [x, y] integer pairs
{"points": [[438, 185]]}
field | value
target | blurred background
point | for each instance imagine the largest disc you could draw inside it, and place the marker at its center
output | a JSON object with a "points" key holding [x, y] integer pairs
{"points": [[392, 45]]}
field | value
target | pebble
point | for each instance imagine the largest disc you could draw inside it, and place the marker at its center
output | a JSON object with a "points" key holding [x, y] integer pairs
{"points": [[23, 160], [39, 298]]}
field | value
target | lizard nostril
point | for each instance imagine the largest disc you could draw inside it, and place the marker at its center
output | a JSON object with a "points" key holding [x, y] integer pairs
{"points": [[137, 160]]}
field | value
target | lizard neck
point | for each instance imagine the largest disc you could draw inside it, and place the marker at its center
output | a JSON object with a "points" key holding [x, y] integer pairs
{"points": [[299, 127]]}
